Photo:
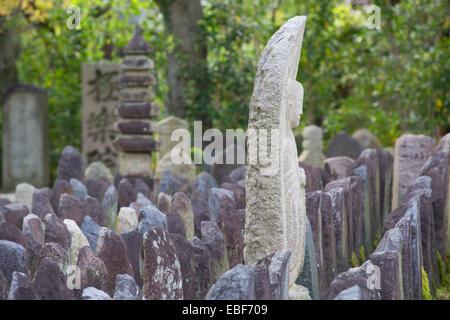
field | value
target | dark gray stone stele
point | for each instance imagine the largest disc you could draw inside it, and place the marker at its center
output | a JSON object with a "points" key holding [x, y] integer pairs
{"points": [[366, 220], [21, 287], [133, 240], [50, 283], [126, 288], [235, 284], [309, 276], [344, 145], [90, 230], [328, 242]]}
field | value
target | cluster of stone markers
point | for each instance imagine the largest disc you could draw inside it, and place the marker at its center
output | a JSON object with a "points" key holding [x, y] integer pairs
{"points": [[348, 207]]}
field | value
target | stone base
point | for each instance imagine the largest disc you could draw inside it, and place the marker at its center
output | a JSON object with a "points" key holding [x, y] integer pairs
{"points": [[135, 164], [298, 292]]}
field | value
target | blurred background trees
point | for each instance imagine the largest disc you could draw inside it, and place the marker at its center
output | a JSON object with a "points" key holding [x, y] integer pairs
{"points": [[390, 81]]}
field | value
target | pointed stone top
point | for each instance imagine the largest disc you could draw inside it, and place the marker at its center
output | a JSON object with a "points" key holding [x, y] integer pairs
{"points": [[137, 44]]}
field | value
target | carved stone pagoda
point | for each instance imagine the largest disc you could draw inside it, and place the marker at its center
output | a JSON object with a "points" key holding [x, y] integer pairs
{"points": [[135, 142]]}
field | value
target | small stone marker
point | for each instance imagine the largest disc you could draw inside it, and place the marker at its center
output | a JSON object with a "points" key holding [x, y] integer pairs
{"points": [[411, 152], [181, 204], [312, 144], [367, 139], [126, 220], [161, 271], [165, 128], [235, 284], [21, 287], [25, 149], [24, 194], [344, 145]]}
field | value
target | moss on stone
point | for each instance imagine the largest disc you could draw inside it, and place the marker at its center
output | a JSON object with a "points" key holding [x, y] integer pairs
{"points": [[362, 255], [354, 261], [426, 293]]}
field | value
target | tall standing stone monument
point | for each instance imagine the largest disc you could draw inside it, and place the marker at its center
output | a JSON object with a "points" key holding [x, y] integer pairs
{"points": [[100, 87], [25, 137], [135, 141], [411, 153], [312, 147], [275, 209]]}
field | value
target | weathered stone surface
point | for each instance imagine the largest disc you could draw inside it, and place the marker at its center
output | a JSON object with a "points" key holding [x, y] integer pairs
{"points": [[328, 242], [126, 288], [437, 167], [215, 242], [313, 178], [201, 211], [90, 230], [59, 188], [34, 231], [114, 254], [135, 110], [235, 284], [230, 224], [21, 287], [215, 196], [237, 174], [78, 240], [367, 139], [92, 293], [4, 287], [100, 85], [133, 240], [14, 214], [127, 220], [313, 213], [56, 231], [70, 164], [96, 170], [239, 193], [175, 224], [366, 218], [185, 254], [135, 164], [93, 208], [79, 189], [96, 188], [338, 167], [202, 268], [344, 145], [25, 138], [126, 193], [50, 283], [279, 274], [309, 276], [411, 152], [92, 270], [55, 252], [345, 230], [70, 207], [169, 184], [385, 164], [150, 216], [298, 292], [275, 212], [228, 159], [12, 258], [181, 204], [163, 202], [161, 271], [135, 144], [165, 128], [109, 206], [11, 233], [312, 147], [352, 293], [41, 202], [24, 194], [369, 158], [263, 291], [203, 183], [366, 277], [389, 265]]}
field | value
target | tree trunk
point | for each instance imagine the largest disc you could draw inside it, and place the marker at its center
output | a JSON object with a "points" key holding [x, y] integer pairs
{"points": [[8, 54], [188, 59]]}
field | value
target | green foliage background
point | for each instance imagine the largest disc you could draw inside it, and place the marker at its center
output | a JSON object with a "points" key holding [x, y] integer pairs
{"points": [[390, 80]]}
